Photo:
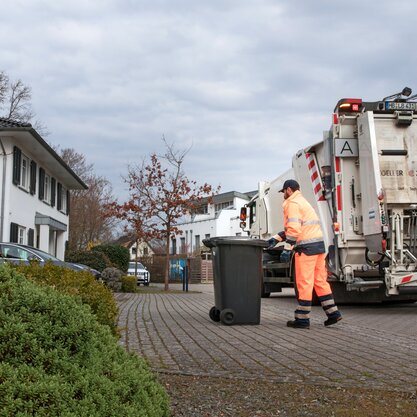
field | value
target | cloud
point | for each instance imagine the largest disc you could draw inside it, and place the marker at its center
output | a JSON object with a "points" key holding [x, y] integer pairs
{"points": [[247, 83]]}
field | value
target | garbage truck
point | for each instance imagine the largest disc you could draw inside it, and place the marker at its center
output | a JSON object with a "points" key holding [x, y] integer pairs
{"points": [[362, 181]]}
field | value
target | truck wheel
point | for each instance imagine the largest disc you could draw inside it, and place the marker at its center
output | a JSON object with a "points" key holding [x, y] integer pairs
{"points": [[227, 316], [214, 314]]}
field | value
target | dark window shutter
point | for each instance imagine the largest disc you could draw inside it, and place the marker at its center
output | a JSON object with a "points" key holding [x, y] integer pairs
{"points": [[32, 177], [17, 161], [53, 189], [14, 232], [68, 202], [41, 183], [59, 197], [31, 236]]}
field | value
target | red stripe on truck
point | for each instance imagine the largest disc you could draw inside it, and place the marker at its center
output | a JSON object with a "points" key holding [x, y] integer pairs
{"points": [[339, 197], [406, 279], [314, 176]]}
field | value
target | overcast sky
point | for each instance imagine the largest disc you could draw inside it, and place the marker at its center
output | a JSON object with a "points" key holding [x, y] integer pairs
{"points": [[245, 83]]}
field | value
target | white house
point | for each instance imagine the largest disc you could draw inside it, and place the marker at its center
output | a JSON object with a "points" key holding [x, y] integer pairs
{"points": [[34, 189], [143, 249], [220, 218]]}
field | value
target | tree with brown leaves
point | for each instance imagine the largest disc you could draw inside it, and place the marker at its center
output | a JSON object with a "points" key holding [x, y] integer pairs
{"points": [[159, 195]]}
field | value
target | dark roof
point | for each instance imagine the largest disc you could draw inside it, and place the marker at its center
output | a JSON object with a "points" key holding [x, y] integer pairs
{"points": [[230, 195], [26, 128], [4, 122]]}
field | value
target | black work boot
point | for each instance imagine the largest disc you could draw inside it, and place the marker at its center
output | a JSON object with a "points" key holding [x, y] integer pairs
{"points": [[298, 324], [332, 320]]}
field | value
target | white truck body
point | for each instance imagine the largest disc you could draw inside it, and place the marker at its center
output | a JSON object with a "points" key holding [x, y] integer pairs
{"points": [[362, 181]]}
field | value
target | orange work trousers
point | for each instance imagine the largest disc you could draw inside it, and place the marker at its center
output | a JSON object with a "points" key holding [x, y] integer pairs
{"points": [[310, 272]]}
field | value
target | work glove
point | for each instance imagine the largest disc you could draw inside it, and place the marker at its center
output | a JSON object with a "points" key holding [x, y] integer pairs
{"points": [[272, 243], [285, 256]]}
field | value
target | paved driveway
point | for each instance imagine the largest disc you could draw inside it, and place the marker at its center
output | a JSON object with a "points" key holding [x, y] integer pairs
{"points": [[373, 346]]}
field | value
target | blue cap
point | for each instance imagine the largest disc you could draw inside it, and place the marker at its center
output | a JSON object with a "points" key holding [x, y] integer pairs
{"points": [[293, 184]]}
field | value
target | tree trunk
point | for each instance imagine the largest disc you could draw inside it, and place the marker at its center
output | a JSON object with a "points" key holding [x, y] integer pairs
{"points": [[166, 287]]}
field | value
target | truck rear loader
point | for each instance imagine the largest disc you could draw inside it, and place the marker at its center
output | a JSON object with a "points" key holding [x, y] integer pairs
{"points": [[362, 181]]}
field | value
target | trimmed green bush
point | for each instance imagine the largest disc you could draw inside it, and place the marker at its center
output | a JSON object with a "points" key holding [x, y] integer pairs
{"points": [[78, 283], [96, 260], [118, 255], [129, 284], [57, 360]]}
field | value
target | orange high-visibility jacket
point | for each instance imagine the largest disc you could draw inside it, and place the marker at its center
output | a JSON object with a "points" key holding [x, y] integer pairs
{"points": [[302, 225]]}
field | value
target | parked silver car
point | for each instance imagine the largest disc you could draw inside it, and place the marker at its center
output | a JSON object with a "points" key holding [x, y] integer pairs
{"points": [[143, 275], [15, 253]]}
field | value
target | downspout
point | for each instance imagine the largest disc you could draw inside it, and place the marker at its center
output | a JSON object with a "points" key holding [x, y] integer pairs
{"points": [[3, 191]]}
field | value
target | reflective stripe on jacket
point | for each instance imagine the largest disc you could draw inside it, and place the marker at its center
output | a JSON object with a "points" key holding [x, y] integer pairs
{"points": [[302, 225]]}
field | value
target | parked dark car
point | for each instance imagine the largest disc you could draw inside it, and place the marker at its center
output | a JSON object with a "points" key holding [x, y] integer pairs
{"points": [[15, 253]]}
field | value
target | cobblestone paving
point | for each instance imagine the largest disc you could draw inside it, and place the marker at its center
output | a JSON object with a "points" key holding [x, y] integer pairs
{"points": [[373, 346]]}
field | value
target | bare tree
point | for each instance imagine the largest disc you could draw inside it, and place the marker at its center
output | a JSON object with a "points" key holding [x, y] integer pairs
{"points": [[88, 221], [15, 103], [159, 197]]}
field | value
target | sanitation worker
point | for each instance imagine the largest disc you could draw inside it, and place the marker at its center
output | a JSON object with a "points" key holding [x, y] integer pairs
{"points": [[303, 235]]}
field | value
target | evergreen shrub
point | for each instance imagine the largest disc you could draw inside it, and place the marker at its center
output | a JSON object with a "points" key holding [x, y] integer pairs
{"points": [[76, 283], [93, 259], [119, 255], [129, 284], [57, 360]]}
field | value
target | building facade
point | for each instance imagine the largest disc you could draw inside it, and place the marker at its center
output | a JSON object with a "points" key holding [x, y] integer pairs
{"points": [[220, 218], [34, 190]]}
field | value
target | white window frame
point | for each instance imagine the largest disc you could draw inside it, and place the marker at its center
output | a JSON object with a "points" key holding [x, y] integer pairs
{"points": [[21, 235], [25, 173], [63, 200], [47, 189]]}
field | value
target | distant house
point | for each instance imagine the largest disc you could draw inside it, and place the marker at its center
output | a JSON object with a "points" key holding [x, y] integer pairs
{"points": [[154, 247], [220, 218], [34, 189]]}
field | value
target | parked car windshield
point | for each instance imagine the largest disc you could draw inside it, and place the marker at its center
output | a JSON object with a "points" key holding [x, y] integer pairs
{"points": [[132, 265]]}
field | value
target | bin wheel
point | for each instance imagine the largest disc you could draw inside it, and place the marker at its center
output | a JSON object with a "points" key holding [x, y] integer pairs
{"points": [[227, 316], [264, 292], [214, 314]]}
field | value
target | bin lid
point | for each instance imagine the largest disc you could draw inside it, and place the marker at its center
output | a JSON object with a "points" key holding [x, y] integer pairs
{"points": [[234, 240]]}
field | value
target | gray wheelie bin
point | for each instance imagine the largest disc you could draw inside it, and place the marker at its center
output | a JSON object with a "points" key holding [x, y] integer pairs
{"points": [[237, 275]]}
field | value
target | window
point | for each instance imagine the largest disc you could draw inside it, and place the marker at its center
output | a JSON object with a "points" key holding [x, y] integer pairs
{"points": [[24, 172], [62, 199], [203, 209], [183, 245], [207, 236], [197, 242], [225, 205], [47, 189], [21, 235], [174, 246]]}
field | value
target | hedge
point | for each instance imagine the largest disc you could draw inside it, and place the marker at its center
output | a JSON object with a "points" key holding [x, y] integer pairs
{"points": [[78, 283], [118, 255], [57, 360], [96, 260]]}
